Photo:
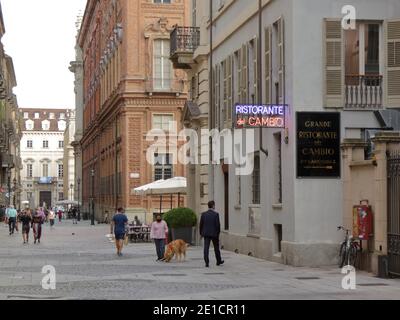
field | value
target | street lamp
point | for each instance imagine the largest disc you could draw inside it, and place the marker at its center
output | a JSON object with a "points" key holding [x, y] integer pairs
{"points": [[79, 200], [9, 185], [15, 191], [92, 217], [71, 186]]}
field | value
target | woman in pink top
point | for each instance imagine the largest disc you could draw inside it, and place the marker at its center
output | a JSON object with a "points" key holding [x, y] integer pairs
{"points": [[159, 229]]}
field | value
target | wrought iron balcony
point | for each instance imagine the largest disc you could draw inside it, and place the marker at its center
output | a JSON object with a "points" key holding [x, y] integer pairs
{"points": [[184, 41], [364, 92]]}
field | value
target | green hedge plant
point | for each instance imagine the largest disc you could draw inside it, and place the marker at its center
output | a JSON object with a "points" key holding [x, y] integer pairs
{"points": [[180, 218]]}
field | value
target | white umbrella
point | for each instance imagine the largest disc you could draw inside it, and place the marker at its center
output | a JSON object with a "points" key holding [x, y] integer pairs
{"points": [[143, 190], [177, 185]]}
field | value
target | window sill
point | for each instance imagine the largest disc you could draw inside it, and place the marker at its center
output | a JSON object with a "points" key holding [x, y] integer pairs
{"points": [[237, 207], [254, 236], [278, 206]]}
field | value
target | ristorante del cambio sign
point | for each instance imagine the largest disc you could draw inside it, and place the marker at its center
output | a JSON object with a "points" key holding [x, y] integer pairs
{"points": [[259, 116], [318, 145]]}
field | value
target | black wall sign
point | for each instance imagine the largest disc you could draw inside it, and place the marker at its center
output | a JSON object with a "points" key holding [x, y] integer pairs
{"points": [[318, 145]]}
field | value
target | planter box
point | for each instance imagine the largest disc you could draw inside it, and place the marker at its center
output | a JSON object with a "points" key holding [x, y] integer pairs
{"points": [[184, 234]]}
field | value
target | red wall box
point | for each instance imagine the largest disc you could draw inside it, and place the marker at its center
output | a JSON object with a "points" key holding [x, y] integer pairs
{"points": [[362, 222]]}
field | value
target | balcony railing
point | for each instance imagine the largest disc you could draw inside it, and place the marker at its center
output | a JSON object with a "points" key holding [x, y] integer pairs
{"points": [[161, 85], [184, 40], [364, 92]]}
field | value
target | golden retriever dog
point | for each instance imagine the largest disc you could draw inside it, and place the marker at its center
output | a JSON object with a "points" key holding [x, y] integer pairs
{"points": [[175, 248]]}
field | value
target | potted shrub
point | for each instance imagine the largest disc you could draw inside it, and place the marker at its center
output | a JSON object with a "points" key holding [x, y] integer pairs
{"points": [[181, 222]]}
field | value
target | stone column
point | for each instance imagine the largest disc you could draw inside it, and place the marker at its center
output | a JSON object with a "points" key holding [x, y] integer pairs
{"points": [[352, 150], [384, 141]]}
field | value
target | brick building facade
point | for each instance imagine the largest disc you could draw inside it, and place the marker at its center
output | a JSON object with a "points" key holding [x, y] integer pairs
{"points": [[129, 88]]}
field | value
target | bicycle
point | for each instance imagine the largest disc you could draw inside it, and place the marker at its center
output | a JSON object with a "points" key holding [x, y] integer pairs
{"points": [[348, 249]]}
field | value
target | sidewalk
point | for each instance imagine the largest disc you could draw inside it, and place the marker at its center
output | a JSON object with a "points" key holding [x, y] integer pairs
{"points": [[88, 268]]}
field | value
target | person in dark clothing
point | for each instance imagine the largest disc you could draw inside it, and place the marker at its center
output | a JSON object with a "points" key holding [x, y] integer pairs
{"points": [[118, 228], [210, 229], [26, 219]]}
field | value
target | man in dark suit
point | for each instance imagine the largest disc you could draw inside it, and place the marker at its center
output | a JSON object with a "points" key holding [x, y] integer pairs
{"points": [[210, 228]]}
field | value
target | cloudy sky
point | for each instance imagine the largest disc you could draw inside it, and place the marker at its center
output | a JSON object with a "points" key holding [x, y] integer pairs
{"points": [[40, 37]]}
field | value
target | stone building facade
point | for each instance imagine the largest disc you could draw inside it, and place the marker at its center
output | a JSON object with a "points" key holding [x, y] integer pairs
{"points": [[10, 130], [129, 88]]}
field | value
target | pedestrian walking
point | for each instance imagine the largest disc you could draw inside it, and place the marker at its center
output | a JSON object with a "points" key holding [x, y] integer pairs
{"points": [[37, 221], [210, 229], [158, 232], [52, 217], [26, 219], [119, 224], [74, 216], [11, 216], [60, 214]]}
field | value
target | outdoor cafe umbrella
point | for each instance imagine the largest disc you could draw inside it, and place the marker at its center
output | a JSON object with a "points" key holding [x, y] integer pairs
{"points": [[177, 185]]}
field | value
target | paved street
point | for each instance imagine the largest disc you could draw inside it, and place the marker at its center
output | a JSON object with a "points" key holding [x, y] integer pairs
{"points": [[87, 268]]}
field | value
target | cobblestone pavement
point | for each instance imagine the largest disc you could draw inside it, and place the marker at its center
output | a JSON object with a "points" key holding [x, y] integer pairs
{"points": [[88, 268]]}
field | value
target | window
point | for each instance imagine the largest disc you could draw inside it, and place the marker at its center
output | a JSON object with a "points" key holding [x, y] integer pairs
{"points": [[162, 1], [62, 116], [256, 179], [26, 115], [29, 170], [194, 13], [61, 171], [45, 144], [161, 121], [362, 51], [162, 65], [29, 125], [278, 168], [162, 166], [46, 125], [29, 144], [60, 144], [37, 115], [62, 125], [29, 195], [60, 196], [29, 185], [51, 116], [45, 170]]}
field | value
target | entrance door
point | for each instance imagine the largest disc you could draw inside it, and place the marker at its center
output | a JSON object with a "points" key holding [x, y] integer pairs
{"points": [[45, 199], [393, 230]]}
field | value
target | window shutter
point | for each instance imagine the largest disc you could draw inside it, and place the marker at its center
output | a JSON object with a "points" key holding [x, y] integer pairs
{"points": [[393, 63], [281, 71], [255, 70], [239, 75], [268, 65], [230, 90], [213, 103], [245, 74], [225, 92], [334, 83], [217, 96]]}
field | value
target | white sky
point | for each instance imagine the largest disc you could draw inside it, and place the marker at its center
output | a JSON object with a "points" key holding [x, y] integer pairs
{"points": [[40, 37]]}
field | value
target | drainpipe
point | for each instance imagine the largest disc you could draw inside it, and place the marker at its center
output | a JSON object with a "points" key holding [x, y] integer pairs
{"points": [[210, 85], [259, 84]]}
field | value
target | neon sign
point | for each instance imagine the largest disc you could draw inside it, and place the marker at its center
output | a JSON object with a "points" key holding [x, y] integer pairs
{"points": [[259, 116]]}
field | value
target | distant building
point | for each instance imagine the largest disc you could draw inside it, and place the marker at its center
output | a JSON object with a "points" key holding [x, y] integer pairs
{"points": [[42, 153]]}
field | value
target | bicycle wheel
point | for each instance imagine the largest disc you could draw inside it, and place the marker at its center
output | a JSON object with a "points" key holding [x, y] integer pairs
{"points": [[342, 255], [353, 255]]}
